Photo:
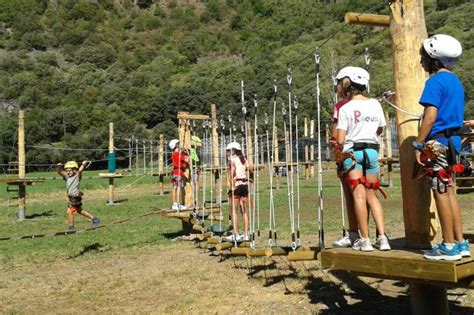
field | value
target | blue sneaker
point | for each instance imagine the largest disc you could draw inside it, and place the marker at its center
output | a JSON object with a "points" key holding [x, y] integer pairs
{"points": [[95, 222], [441, 252], [463, 248]]}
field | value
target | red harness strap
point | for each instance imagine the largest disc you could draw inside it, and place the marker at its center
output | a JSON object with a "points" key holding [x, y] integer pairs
{"points": [[355, 182], [376, 186]]}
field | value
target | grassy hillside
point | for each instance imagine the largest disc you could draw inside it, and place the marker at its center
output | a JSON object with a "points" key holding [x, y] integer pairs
{"points": [[76, 65]]}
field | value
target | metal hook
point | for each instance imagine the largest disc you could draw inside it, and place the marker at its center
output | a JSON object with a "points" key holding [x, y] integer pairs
{"points": [[367, 56], [229, 117], [283, 109], [255, 100], [295, 102], [289, 76], [317, 55], [266, 118], [275, 86]]}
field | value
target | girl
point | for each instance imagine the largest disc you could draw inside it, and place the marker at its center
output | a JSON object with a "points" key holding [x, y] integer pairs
{"points": [[443, 99], [360, 121], [237, 183]]}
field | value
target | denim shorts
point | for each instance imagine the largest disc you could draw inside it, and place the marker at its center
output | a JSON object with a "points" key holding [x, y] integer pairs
{"points": [[372, 166]]}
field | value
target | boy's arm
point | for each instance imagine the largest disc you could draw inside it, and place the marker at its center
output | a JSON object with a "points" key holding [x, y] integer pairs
{"points": [[429, 118], [82, 168], [60, 169]]}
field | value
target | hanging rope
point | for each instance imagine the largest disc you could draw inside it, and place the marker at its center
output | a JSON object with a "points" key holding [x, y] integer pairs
{"points": [[320, 170], [298, 196], [256, 172], [290, 176], [273, 238]]}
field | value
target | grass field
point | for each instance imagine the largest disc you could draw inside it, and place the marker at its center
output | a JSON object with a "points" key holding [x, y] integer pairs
{"points": [[151, 240]]}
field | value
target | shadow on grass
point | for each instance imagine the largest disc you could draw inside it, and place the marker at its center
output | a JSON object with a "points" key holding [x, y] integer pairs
{"points": [[172, 235], [93, 248], [48, 213]]}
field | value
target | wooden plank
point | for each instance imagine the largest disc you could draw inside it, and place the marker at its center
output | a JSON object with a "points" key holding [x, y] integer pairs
{"points": [[397, 264], [24, 181], [189, 116], [110, 175], [367, 19]]}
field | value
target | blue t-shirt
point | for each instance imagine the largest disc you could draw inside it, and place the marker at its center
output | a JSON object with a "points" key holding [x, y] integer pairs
{"points": [[444, 91]]}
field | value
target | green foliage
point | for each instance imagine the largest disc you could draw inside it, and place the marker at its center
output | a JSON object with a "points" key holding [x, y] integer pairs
{"points": [[76, 65]]}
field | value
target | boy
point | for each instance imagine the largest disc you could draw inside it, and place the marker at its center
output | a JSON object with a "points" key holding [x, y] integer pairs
{"points": [[72, 175], [443, 99]]}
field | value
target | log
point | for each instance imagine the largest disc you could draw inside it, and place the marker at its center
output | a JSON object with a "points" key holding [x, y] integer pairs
{"points": [[367, 19]]}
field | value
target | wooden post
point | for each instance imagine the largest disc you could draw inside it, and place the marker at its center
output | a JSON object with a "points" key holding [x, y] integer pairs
{"points": [[407, 31], [249, 145], [311, 151], [367, 19], [306, 149], [161, 171], [111, 150], [215, 153], [276, 159], [21, 165], [382, 157], [388, 139]]}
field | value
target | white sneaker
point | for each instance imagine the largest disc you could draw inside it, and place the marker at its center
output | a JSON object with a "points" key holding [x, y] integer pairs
{"points": [[382, 243], [363, 244], [182, 207], [344, 241], [245, 238], [175, 207]]}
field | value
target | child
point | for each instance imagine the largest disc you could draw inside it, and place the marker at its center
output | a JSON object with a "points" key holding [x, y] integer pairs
{"points": [[180, 162], [443, 99], [196, 143], [237, 183], [360, 121], [72, 175], [350, 236]]}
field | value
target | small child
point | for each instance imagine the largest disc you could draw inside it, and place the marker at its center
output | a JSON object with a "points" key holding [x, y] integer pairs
{"points": [[180, 162], [72, 175]]}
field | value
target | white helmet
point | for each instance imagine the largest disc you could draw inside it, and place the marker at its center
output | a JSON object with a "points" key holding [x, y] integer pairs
{"points": [[357, 75], [173, 143], [444, 48], [234, 145]]}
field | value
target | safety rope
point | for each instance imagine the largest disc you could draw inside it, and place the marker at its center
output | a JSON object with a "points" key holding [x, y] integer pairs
{"points": [[290, 177], [320, 170]]}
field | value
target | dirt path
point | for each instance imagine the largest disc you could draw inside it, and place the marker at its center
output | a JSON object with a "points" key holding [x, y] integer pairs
{"points": [[184, 279]]}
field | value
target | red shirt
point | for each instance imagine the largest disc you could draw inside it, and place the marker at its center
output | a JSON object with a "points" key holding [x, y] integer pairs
{"points": [[337, 107], [179, 162]]}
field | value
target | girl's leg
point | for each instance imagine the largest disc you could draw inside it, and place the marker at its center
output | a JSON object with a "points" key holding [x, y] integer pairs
{"points": [[445, 213], [235, 217], [375, 205], [456, 213], [360, 205], [351, 217]]}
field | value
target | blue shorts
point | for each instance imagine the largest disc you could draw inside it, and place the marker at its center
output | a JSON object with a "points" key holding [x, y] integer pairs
{"points": [[372, 166]]}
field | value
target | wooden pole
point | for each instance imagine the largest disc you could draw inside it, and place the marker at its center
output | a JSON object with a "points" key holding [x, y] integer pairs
{"points": [[249, 145], [215, 153], [161, 172], [111, 150], [188, 190], [21, 165], [276, 159], [311, 151], [306, 149]]}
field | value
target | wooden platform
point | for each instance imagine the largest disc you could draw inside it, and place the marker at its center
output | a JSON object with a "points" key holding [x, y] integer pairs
{"points": [[401, 264], [24, 181]]}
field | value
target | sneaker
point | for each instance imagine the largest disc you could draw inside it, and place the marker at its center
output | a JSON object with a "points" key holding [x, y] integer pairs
{"points": [[363, 244], [382, 243], [71, 229], [229, 238], [245, 238], [463, 248], [344, 241], [95, 222], [182, 207], [175, 206], [441, 252]]}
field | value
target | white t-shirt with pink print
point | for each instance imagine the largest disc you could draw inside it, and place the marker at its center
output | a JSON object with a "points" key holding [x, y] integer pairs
{"points": [[361, 119]]}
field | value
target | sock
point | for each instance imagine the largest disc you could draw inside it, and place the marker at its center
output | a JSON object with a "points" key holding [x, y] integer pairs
{"points": [[449, 245]]}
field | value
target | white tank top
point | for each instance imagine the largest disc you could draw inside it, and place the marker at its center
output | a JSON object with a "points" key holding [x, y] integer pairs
{"points": [[240, 170]]}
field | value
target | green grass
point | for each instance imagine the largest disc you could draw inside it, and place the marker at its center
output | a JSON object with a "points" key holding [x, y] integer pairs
{"points": [[46, 204]]}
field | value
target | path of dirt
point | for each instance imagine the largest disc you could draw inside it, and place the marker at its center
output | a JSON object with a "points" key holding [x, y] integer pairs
{"points": [[184, 279]]}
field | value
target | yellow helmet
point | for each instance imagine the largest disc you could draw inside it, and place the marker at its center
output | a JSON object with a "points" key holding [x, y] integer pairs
{"points": [[71, 164]]}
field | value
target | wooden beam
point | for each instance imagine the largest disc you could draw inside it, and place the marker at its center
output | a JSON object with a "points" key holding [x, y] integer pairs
{"points": [[189, 116], [367, 19], [21, 165]]}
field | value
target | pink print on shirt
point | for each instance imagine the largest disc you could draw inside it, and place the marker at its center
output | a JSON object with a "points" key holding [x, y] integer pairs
{"points": [[357, 117]]}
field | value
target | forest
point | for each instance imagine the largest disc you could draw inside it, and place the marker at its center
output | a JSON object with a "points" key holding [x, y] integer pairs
{"points": [[75, 65]]}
